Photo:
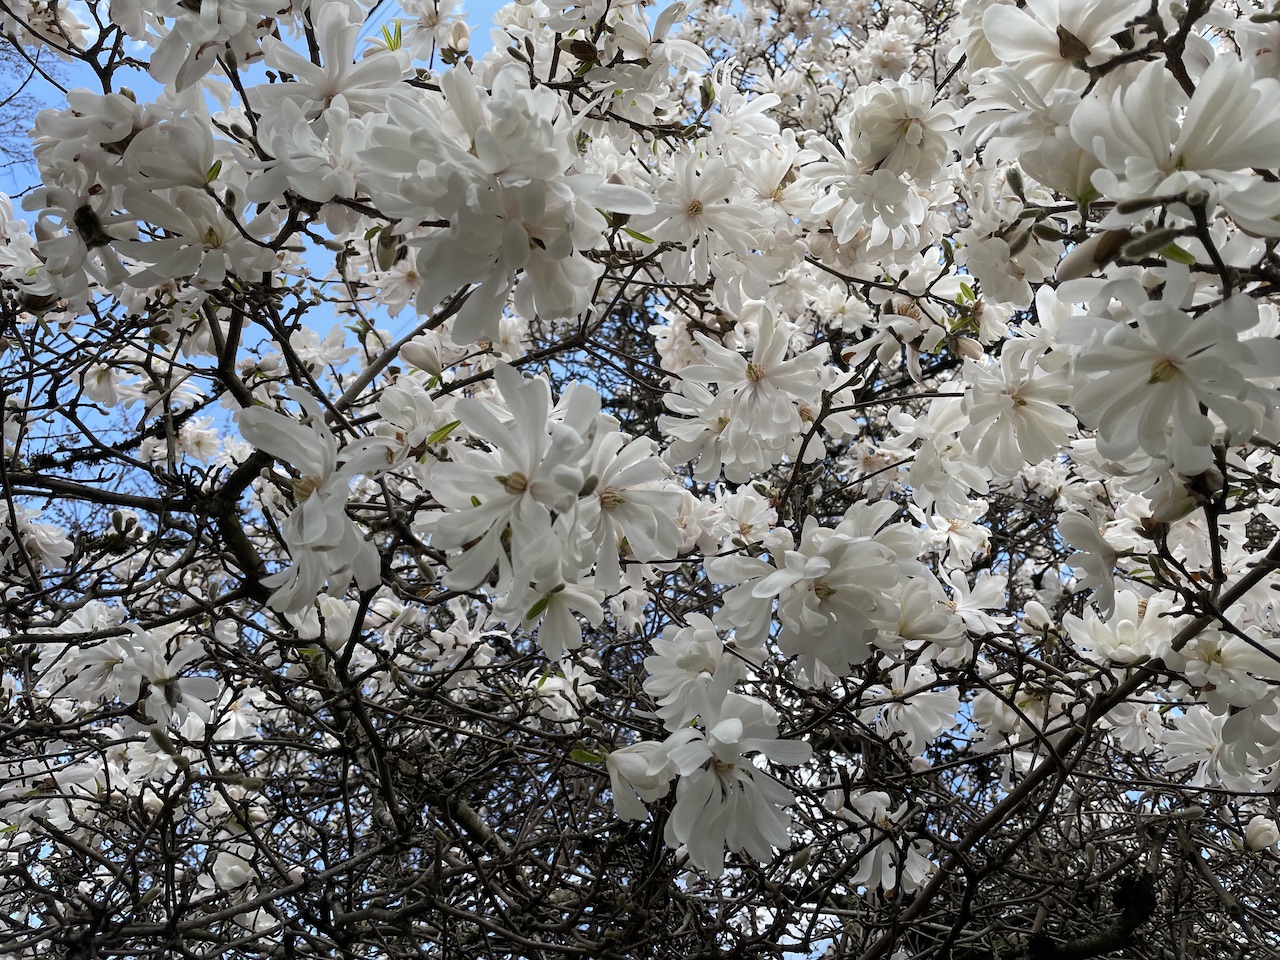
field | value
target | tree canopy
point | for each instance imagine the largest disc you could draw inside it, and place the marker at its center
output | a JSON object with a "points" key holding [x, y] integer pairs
{"points": [[754, 479]]}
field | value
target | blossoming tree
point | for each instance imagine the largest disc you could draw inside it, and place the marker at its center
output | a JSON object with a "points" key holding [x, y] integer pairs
{"points": [[751, 480]]}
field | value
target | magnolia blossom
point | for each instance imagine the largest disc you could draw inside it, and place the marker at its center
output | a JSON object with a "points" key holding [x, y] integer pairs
{"points": [[1147, 383], [326, 546], [1139, 628], [535, 468], [641, 770], [685, 659], [834, 593], [722, 797], [1261, 833]]}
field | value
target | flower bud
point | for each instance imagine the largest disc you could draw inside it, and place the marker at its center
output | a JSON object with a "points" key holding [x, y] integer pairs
{"points": [[1261, 833], [1035, 616], [422, 353], [459, 37]]}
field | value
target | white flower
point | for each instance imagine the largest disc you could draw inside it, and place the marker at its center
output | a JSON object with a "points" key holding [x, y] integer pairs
{"points": [[535, 468], [834, 597], [916, 711], [1196, 741], [1014, 408], [1140, 628], [632, 507], [1146, 383], [1228, 127], [877, 839], [697, 208], [1045, 38], [641, 770], [323, 541], [1261, 833], [364, 84], [722, 797], [1093, 556], [899, 127], [683, 659]]}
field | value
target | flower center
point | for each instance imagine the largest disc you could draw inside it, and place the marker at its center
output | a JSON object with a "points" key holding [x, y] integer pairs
{"points": [[1163, 372], [304, 487], [514, 482]]}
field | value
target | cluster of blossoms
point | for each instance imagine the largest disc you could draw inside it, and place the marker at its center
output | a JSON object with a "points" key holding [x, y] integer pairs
{"points": [[791, 416]]}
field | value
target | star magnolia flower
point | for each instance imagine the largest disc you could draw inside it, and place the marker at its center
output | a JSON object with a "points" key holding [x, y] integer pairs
{"points": [[1094, 557], [1261, 833], [641, 770], [1147, 383], [696, 208], [760, 405], [834, 597], [1014, 409], [723, 798], [1045, 38], [684, 659], [1140, 628], [323, 541], [632, 505], [536, 468], [916, 712], [882, 861], [1229, 126], [364, 84], [899, 127]]}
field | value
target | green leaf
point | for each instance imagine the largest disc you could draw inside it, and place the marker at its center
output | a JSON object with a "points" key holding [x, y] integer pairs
{"points": [[212, 175], [583, 756], [637, 235], [1175, 253], [443, 432], [966, 293], [537, 608]]}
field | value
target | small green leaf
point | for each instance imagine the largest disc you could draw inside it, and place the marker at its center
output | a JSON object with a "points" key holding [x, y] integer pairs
{"points": [[966, 293], [583, 756], [475, 501], [637, 235], [536, 610], [443, 432], [212, 175], [1175, 253]]}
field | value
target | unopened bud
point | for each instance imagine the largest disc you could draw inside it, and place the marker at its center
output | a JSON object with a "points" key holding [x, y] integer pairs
{"points": [[1148, 242], [388, 248], [1093, 253], [460, 37], [1013, 177], [1196, 197]]}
